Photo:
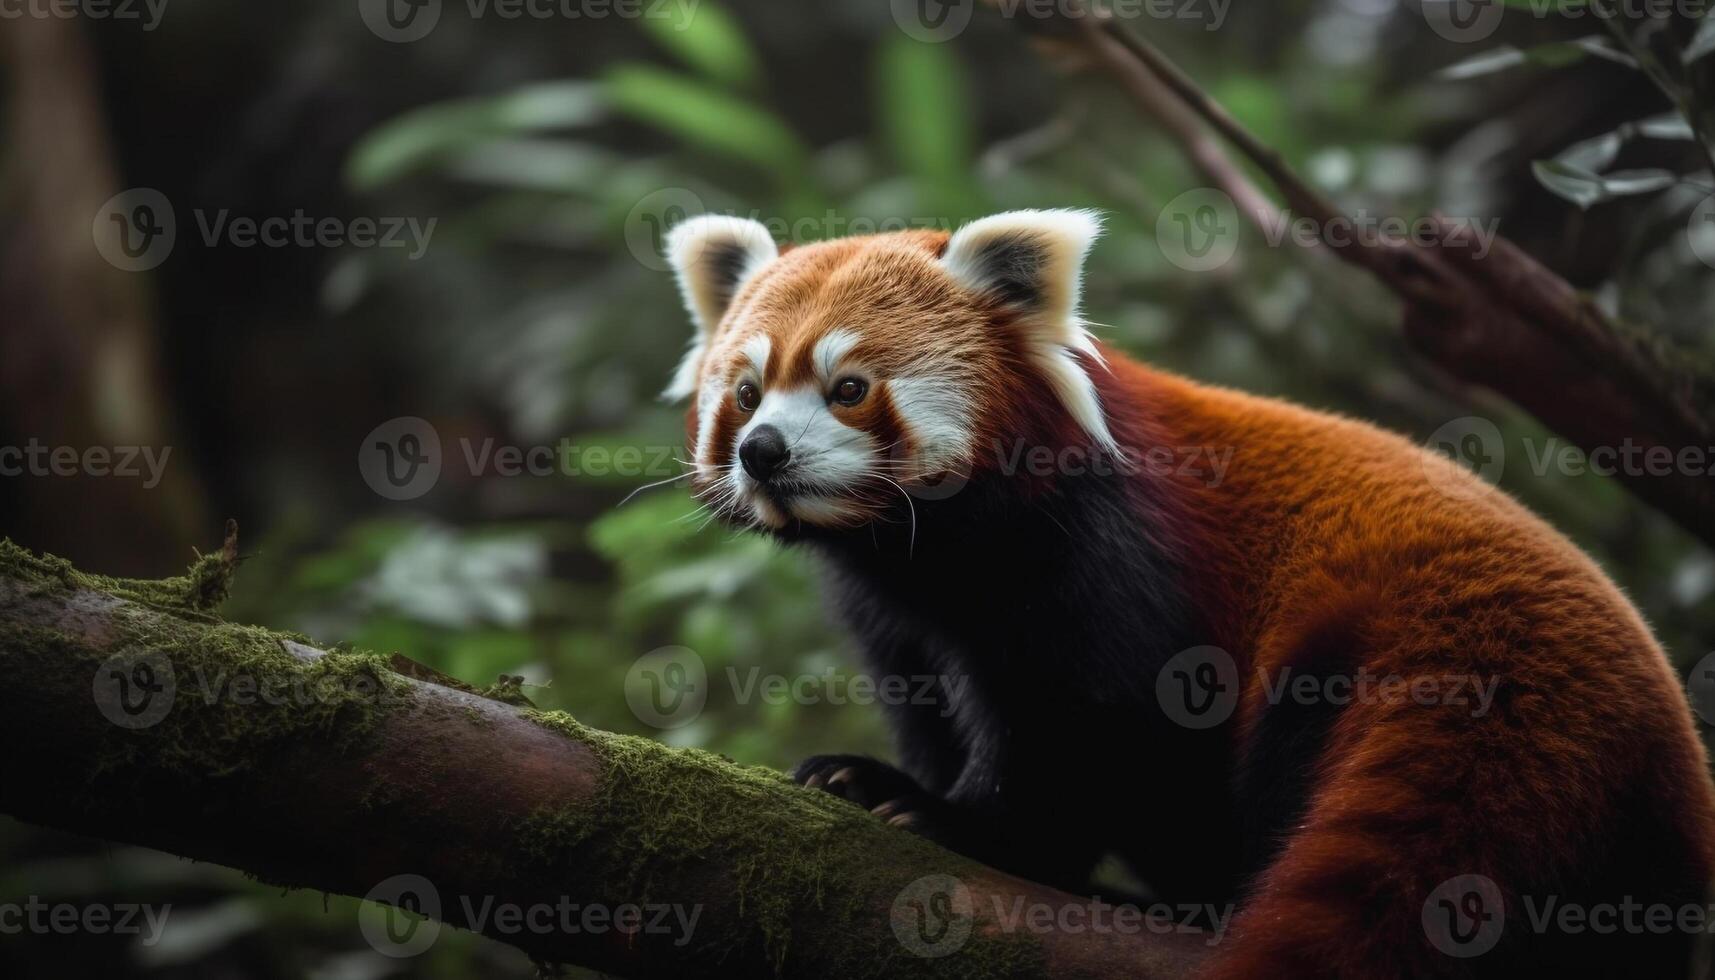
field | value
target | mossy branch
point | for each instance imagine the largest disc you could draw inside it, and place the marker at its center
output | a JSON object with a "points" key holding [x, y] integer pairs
{"points": [[136, 714]]}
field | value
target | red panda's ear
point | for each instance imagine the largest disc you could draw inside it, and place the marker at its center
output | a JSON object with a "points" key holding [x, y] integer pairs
{"points": [[1033, 263], [713, 256]]}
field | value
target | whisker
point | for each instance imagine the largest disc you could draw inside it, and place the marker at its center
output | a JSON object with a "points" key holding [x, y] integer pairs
{"points": [[651, 486]]}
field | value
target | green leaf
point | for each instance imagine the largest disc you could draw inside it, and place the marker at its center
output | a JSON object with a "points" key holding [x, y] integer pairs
{"points": [[1584, 188], [1667, 126], [689, 109], [926, 115], [424, 137], [1592, 155], [1556, 54], [1702, 42], [1624, 183], [706, 37]]}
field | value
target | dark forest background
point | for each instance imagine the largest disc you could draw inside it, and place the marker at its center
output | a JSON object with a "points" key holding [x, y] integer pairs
{"points": [[549, 152]]}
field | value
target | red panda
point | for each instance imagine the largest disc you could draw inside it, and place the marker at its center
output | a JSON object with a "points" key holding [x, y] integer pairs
{"points": [[999, 498]]}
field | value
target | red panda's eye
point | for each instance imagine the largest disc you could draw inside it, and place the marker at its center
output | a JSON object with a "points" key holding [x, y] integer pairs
{"points": [[749, 397], [850, 391]]}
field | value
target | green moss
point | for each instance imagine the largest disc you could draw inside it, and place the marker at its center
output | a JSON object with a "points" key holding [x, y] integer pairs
{"points": [[200, 590], [238, 693], [660, 824], [508, 690], [661, 816]]}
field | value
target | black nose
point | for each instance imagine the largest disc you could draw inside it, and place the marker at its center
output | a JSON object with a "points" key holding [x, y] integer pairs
{"points": [[763, 452]]}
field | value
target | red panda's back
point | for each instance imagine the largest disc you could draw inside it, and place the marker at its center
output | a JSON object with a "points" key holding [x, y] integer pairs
{"points": [[1503, 710]]}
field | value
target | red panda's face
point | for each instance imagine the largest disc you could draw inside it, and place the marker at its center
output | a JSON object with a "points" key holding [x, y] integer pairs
{"points": [[830, 381]]}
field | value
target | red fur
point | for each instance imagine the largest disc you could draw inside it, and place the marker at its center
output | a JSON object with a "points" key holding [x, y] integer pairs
{"points": [[1327, 534]]}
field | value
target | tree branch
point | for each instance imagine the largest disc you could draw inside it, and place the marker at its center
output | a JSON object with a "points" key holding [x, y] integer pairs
{"points": [[1498, 319], [337, 771]]}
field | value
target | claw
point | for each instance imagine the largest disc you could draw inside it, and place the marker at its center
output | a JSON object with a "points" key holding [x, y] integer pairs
{"points": [[840, 781], [889, 809]]}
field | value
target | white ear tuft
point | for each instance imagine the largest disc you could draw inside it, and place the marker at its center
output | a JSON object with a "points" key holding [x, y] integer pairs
{"points": [[713, 256], [1033, 263], [1030, 260]]}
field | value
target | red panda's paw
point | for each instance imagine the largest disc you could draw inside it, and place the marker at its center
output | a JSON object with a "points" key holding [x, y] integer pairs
{"points": [[893, 797], [886, 792], [865, 781]]}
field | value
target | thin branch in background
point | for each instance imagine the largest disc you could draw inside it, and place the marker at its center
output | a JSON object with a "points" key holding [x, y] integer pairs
{"points": [[1496, 318]]}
